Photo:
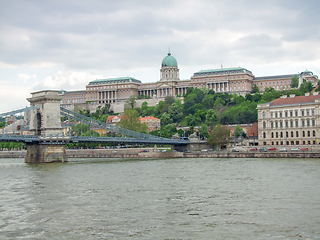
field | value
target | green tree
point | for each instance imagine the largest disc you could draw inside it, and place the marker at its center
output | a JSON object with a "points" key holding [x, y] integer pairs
{"points": [[211, 118], [165, 119], [193, 120], [204, 131], [294, 81], [169, 100], [175, 112], [219, 136], [131, 102], [306, 87], [255, 89], [131, 120], [168, 130]]}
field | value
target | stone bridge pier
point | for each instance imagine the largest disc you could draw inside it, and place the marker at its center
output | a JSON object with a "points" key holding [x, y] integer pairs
{"points": [[45, 122]]}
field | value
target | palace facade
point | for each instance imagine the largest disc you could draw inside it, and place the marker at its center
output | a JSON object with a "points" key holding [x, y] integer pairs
{"points": [[290, 120], [236, 80]]}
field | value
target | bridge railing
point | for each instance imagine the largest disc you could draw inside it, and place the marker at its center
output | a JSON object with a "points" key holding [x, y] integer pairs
{"points": [[109, 127]]}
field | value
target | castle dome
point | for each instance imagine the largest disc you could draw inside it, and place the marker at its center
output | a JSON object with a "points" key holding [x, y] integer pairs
{"points": [[169, 61]]}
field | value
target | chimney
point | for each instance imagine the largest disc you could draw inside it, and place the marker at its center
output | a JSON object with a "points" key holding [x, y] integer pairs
{"points": [[307, 94], [292, 95], [284, 96], [315, 93]]}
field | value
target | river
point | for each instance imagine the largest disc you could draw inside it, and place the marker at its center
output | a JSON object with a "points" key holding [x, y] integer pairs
{"points": [[160, 199]]}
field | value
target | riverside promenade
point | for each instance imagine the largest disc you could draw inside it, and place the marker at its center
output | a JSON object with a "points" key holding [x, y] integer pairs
{"points": [[154, 154]]}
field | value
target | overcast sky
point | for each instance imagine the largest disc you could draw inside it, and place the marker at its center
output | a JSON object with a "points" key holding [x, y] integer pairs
{"points": [[65, 44]]}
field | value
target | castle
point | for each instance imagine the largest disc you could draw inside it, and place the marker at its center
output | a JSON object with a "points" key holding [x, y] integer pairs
{"points": [[115, 91]]}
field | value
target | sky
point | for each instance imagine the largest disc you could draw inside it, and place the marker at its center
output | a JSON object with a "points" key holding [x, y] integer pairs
{"points": [[65, 44]]}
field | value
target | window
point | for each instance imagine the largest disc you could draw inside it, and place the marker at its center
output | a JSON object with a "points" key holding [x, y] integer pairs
{"points": [[271, 124], [287, 134], [277, 135], [307, 112], [312, 112], [291, 123], [280, 124], [264, 135], [314, 133], [281, 134], [286, 124], [276, 124], [308, 122], [263, 115], [302, 113], [286, 114], [272, 135], [264, 124], [290, 113], [296, 113], [276, 115], [297, 134], [291, 133], [313, 122], [280, 114], [308, 133], [271, 115], [302, 123], [303, 134], [297, 123]]}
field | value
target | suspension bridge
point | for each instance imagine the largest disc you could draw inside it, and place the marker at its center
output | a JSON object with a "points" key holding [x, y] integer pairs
{"points": [[39, 127]]}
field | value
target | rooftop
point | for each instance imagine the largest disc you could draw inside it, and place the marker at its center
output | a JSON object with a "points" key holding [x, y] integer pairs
{"points": [[222, 71], [114, 80], [294, 100]]}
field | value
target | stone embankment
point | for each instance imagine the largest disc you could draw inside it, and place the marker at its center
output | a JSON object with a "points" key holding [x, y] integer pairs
{"points": [[136, 153]]}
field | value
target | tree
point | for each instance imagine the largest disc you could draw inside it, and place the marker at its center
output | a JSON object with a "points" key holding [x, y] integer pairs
{"points": [[255, 89], [131, 102], [294, 81], [204, 131], [306, 87], [169, 100], [131, 120], [165, 119], [211, 118], [175, 112], [193, 120], [219, 136], [168, 130]]}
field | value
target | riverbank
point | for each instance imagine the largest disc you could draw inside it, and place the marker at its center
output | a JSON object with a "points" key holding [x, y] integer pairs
{"points": [[137, 153]]}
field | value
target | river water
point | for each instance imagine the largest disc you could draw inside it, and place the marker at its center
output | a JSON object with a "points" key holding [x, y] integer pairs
{"points": [[160, 199]]}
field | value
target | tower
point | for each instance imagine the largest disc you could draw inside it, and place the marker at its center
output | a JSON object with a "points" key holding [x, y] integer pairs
{"points": [[169, 69]]}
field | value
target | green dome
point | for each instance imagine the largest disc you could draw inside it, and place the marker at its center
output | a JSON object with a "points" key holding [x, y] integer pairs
{"points": [[169, 61]]}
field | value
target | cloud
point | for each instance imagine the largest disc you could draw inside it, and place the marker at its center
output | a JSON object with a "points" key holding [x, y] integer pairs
{"points": [[66, 80], [24, 77], [66, 44]]}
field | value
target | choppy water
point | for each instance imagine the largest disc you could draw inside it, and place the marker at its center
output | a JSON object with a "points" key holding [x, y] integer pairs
{"points": [[161, 199]]}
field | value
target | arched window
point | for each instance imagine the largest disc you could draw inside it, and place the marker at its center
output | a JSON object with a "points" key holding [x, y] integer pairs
{"points": [[297, 134], [291, 133], [314, 133], [272, 135], [264, 135], [308, 133], [277, 135], [281, 134], [303, 134], [264, 124]]}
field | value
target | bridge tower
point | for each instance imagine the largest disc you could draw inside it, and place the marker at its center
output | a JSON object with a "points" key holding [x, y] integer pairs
{"points": [[45, 122]]}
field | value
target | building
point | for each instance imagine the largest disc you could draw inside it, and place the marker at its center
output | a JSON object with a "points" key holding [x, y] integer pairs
{"points": [[236, 80], [292, 120], [113, 119], [152, 123]]}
